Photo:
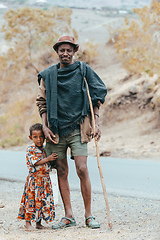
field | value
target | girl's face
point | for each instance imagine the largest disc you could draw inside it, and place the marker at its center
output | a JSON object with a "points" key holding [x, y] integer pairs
{"points": [[37, 137]]}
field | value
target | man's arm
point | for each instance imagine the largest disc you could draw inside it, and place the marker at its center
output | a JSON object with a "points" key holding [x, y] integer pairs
{"points": [[50, 137], [41, 104], [41, 98], [98, 92], [97, 87]]}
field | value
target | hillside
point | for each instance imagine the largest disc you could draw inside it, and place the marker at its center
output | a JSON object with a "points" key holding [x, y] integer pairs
{"points": [[130, 125]]}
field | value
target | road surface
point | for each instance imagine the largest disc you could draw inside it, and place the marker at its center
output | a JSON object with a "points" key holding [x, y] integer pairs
{"points": [[126, 177]]}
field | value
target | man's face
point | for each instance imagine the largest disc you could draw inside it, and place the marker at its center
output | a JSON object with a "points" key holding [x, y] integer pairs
{"points": [[65, 53]]}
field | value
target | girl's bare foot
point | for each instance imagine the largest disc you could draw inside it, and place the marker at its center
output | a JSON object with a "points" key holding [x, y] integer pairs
{"points": [[39, 226], [29, 227]]}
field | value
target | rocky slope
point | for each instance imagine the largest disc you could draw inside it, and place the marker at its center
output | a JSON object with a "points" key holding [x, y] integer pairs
{"points": [[130, 117]]}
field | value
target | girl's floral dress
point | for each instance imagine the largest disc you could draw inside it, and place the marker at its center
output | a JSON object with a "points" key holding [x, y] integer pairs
{"points": [[37, 200]]}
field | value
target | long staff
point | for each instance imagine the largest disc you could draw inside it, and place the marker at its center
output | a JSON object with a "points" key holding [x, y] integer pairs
{"points": [[98, 159]]}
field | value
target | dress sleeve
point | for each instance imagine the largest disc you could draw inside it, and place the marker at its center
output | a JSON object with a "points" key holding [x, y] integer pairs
{"points": [[41, 98], [32, 156]]}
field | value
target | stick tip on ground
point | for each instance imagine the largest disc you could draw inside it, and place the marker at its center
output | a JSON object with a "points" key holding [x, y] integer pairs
{"points": [[110, 225]]}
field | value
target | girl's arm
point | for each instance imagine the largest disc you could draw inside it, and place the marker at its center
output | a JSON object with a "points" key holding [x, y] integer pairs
{"points": [[51, 157]]}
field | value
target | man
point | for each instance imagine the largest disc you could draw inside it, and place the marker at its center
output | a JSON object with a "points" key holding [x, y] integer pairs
{"points": [[64, 107]]}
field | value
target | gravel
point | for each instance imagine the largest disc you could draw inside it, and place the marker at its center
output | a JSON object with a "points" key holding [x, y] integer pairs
{"points": [[132, 218]]}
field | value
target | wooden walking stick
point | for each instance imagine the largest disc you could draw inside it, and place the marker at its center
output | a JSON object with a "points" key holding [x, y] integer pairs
{"points": [[98, 158]]}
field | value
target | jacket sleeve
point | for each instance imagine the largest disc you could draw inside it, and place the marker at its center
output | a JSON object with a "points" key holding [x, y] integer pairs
{"points": [[41, 98], [97, 88]]}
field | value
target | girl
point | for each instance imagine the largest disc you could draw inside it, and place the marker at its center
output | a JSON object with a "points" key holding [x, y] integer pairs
{"points": [[37, 200]]}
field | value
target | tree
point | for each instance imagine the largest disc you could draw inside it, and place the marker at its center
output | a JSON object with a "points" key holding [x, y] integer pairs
{"points": [[138, 41], [138, 46], [31, 30]]}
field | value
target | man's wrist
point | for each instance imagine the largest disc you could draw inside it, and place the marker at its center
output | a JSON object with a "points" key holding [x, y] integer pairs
{"points": [[44, 127]]}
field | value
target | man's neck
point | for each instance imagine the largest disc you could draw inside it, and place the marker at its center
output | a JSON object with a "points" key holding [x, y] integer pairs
{"points": [[65, 65]]}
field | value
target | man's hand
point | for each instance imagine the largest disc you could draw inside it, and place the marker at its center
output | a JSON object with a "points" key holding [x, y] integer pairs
{"points": [[97, 134], [50, 137]]}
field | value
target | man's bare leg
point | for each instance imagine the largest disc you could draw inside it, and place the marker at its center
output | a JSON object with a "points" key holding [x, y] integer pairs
{"points": [[62, 172], [82, 171]]}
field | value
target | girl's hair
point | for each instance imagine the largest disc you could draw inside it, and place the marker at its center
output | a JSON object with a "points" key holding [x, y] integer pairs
{"points": [[36, 126]]}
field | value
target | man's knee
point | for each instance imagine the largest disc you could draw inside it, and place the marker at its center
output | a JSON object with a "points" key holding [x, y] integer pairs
{"points": [[82, 171], [62, 169]]}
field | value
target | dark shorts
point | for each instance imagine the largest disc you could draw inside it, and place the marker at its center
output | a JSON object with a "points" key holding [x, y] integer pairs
{"points": [[73, 141]]}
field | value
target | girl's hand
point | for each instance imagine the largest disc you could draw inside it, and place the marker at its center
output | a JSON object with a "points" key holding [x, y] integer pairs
{"points": [[52, 157]]}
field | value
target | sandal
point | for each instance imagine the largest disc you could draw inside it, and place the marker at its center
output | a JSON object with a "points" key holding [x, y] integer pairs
{"points": [[63, 225], [92, 224]]}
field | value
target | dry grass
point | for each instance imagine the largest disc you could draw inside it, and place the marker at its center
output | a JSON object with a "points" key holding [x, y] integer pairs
{"points": [[15, 122]]}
